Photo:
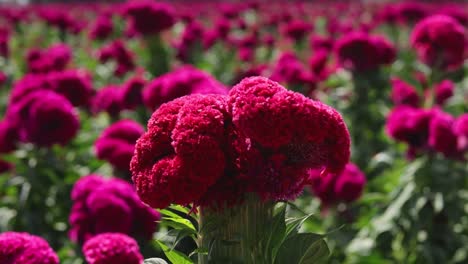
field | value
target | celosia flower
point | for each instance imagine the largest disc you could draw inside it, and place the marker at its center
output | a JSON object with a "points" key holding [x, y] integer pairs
{"points": [[75, 85], [8, 135], [55, 58], [112, 248], [290, 70], [117, 51], [332, 188], [183, 81], [460, 128], [108, 205], [102, 27], [132, 92], [297, 30], [403, 93], [149, 17], [443, 91], [108, 99], [3, 78], [23, 248], [440, 41], [441, 134], [362, 52], [246, 142], [51, 120], [410, 125], [116, 143]]}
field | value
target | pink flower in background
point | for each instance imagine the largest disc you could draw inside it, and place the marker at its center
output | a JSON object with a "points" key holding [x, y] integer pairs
{"points": [[403, 93], [112, 248], [116, 143], [102, 27], [182, 81], [103, 205], [54, 58], [149, 17], [23, 248], [75, 85], [118, 52], [132, 92], [108, 99], [443, 91], [440, 41], [332, 188]]}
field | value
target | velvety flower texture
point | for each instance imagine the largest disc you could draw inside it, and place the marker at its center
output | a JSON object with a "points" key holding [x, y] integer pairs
{"points": [[54, 58], [332, 188], [212, 149], [108, 99], [108, 205], [182, 81], [403, 93], [460, 129], [75, 85], [360, 51], [117, 143], [23, 248], [149, 17], [440, 41], [117, 51], [44, 118], [410, 125], [112, 248], [443, 91]]}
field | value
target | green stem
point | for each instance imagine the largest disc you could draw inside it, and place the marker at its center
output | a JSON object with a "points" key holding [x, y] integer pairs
{"points": [[158, 61], [235, 235]]}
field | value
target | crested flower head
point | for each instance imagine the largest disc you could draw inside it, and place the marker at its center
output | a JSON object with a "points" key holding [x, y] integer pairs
{"points": [[23, 248]]}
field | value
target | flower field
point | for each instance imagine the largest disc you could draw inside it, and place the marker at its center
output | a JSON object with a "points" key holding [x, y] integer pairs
{"points": [[256, 132]]}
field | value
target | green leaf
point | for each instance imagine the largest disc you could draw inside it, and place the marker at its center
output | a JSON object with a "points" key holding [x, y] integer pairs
{"points": [[293, 224], [178, 223], [276, 233], [174, 256], [154, 261], [303, 248]]}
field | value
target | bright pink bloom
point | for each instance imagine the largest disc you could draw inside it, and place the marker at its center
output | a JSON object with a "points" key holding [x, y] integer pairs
{"points": [[112, 248]]}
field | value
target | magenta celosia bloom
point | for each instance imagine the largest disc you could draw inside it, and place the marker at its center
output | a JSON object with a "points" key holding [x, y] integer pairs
{"points": [[102, 27], [403, 93], [118, 52], [318, 42], [8, 135], [117, 142], [440, 41], [332, 188], [4, 42], [51, 120], [441, 134], [443, 91], [212, 149], [297, 30], [132, 92], [108, 99], [54, 58], [112, 248], [3, 78], [75, 85], [182, 81], [410, 125], [149, 17], [23, 248], [108, 205], [27, 84], [361, 52], [290, 70], [5, 166], [460, 128]]}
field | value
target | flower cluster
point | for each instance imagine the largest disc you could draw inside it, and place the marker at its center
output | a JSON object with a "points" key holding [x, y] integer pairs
{"points": [[212, 149], [23, 248], [112, 248], [117, 142], [108, 205], [332, 188]]}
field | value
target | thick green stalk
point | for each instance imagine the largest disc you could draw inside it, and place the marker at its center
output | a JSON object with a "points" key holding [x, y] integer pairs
{"points": [[235, 235]]}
